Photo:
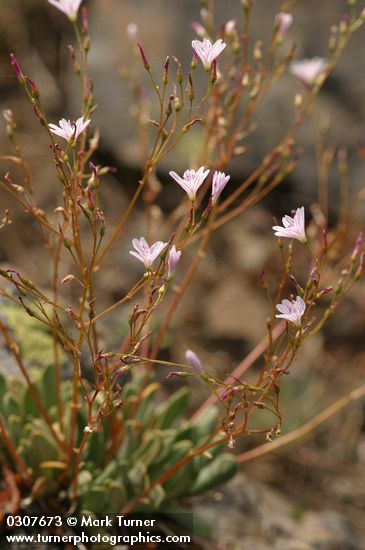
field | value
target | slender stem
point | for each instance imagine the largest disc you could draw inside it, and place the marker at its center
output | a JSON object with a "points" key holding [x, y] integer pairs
{"points": [[243, 366], [137, 287], [124, 218], [306, 429], [13, 452], [182, 288]]}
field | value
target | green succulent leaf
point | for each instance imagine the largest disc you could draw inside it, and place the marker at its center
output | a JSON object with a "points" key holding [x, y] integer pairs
{"points": [[117, 496], [173, 409], [217, 472], [40, 448], [11, 405], [177, 452], [95, 500], [190, 521], [156, 497]]}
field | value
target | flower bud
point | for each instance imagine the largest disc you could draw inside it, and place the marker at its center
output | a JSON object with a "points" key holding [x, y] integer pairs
{"points": [[34, 92], [193, 361], [298, 101], [213, 72], [172, 261], [144, 58], [190, 89], [230, 28], [17, 69], [358, 244], [257, 52], [199, 29], [165, 77], [132, 31], [84, 21], [343, 26], [176, 104]]}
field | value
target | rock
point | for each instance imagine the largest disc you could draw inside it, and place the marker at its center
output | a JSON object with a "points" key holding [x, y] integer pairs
{"points": [[327, 530], [232, 310], [246, 514], [244, 509]]}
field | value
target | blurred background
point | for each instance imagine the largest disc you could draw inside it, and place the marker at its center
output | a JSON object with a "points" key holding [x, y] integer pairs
{"points": [[310, 495]]}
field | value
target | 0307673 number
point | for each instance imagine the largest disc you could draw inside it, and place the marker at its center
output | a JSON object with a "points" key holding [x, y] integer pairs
{"points": [[31, 521]]}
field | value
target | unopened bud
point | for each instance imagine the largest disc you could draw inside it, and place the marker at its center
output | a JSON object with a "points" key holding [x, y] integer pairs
{"points": [[325, 291], [204, 14], [190, 89], [332, 43], [199, 29], [179, 73], [144, 58], [165, 77], [69, 277], [343, 26], [194, 61], [176, 104], [34, 92], [230, 28], [193, 361], [357, 247], [162, 290], [132, 31], [84, 20], [213, 72], [360, 269], [298, 101], [17, 69], [246, 5], [257, 51], [187, 126], [245, 79], [10, 124], [169, 106]]}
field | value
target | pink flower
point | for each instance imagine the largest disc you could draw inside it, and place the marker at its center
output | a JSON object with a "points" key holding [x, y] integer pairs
{"points": [[69, 130], [207, 51], [132, 31], [145, 253], [193, 361], [172, 261], [294, 227], [292, 311], [8, 115], [220, 180], [199, 29], [308, 70], [230, 28], [283, 21], [69, 7], [191, 180]]}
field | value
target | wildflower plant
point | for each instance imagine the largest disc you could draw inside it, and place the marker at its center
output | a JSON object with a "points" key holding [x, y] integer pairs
{"points": [[102, 439]]}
